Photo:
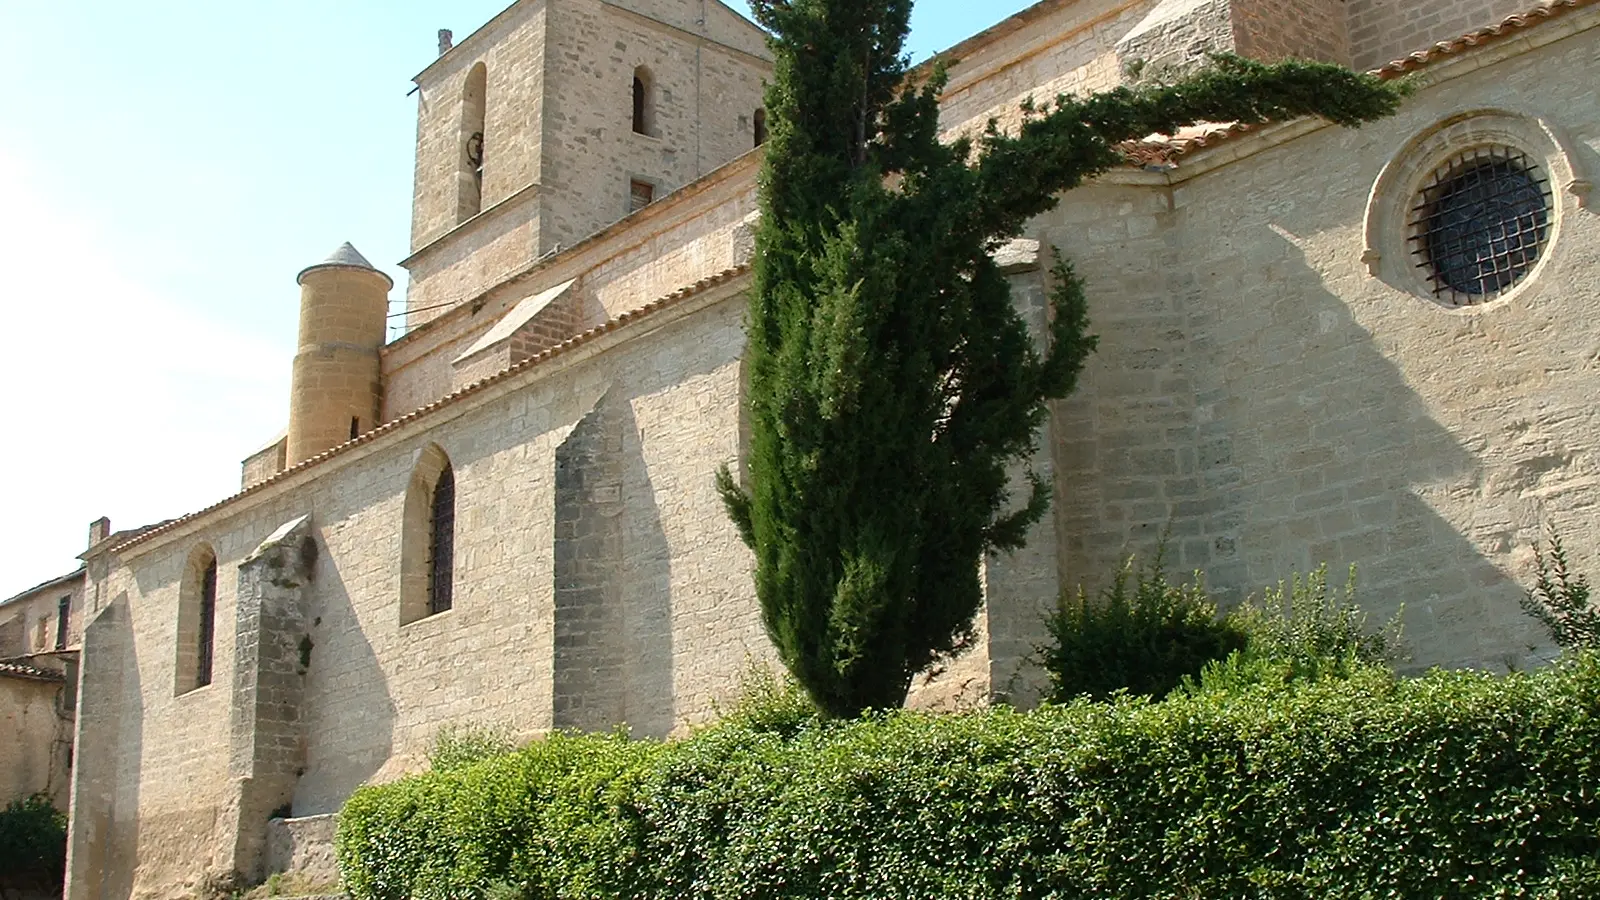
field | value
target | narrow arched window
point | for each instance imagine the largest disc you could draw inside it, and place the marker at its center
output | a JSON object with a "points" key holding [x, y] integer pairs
{"points": [[206, 642], [474, 105], [427, 538], [761, 127], [442, 543], [197, 621], [643, 113]]}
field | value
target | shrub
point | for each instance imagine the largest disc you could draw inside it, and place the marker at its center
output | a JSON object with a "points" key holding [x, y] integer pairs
{"points": [[1302, 632], [1456, 784], [770, 703], [1560, 599], [459, 746], [1143, 634], [33, 844]]}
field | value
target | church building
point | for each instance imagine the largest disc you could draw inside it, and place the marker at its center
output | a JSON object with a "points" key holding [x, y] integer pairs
{"points": [[1376, 347]]}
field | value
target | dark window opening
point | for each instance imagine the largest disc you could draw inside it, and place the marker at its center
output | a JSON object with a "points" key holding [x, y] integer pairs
{"points": [[761, 127], [639, 104], [474, 109], [1481, 224], [475, 155], [208, 625], [643, 115], [63, 620], [441, 543], [355, 428], [640, 195]]}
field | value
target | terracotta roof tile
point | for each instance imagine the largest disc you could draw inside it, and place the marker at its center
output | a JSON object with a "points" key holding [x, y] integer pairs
{"points": [[1156, 150], [1164, 150], [672, 299], [1505, 28], [19, 670]]}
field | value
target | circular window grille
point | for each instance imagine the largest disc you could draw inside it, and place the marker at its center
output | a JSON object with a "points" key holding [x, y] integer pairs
{"points": [[1481, 223]]}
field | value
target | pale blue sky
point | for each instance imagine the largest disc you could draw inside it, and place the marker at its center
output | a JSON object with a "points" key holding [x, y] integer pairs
{"points": [[166, 168]]}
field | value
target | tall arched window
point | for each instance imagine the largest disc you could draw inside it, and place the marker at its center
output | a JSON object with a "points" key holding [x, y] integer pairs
{"points": [[761, 127], [197, 621], [643, 105], [427, 540], [442, 542], [469, 178]]}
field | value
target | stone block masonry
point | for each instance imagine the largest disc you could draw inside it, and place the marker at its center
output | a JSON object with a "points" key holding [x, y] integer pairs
{"points": [[272, 654], [591, 652], [1385, 30], [1261, 396]]}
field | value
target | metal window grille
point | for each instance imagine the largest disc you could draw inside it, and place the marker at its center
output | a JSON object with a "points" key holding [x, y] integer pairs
{"points": [[63, 620], [208, 625], [441, 543], [1480, 224]]}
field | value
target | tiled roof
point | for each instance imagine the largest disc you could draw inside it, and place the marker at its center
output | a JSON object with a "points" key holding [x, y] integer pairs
{"points": [[1511, 25], [19, 670], [1155, 150], [1163, 150], [627, 318]]}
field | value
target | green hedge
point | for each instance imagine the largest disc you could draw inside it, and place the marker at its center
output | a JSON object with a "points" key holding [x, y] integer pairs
{"points": [[1450, 785], [33, 845]]}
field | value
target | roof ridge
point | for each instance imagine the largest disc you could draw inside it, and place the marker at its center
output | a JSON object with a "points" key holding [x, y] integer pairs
{"points": [[1164, 149], [570, 344]]}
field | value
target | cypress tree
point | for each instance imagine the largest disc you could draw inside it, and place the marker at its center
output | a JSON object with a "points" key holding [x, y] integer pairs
{"points": [[892, 382]]}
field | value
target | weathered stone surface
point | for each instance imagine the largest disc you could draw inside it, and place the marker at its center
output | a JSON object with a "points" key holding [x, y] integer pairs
{"points": [[1267, 393], [304, 847]]}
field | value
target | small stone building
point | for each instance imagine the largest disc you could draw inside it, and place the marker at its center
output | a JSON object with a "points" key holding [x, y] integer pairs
{"points": [[41, 630], [1374, 347]]}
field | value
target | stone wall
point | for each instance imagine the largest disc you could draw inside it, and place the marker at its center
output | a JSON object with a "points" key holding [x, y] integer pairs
{"points": [[1261, 396], [37, 732], [1264, 396], [265, 463], [701, 96], [1383, 30], [697, 233], [592, 652], [304, 847], [512, 50], [1053, 49], [1305, 29], [30, 622], [375, 691], [560, 150]]}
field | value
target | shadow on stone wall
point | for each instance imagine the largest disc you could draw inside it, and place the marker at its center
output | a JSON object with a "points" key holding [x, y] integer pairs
{"points": [[343, 666], [613, 603], [647, 593], [104, 835], [1238, 406]]}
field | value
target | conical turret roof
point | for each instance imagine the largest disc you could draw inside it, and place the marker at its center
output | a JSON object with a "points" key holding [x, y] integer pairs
{"points": [[346, 257]]}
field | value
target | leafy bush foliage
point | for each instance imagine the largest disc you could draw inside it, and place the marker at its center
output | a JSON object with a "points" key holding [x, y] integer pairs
{"points": [[1560, 599], [1456, 785], [772, 704], [33, 844], [1143, 634], [1302, 632], [459, 746]]}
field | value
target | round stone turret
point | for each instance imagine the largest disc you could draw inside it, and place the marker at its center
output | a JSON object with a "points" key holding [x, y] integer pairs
{"points": [[337, 383]]}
